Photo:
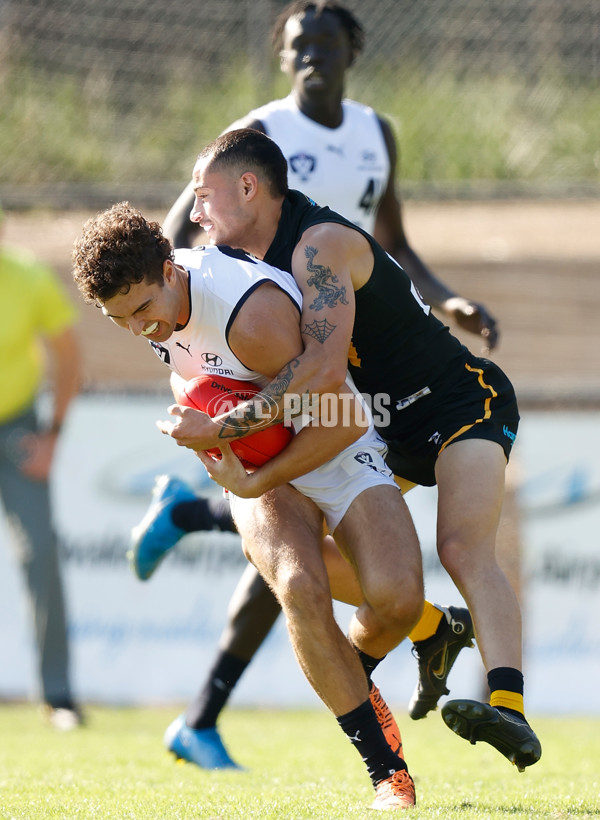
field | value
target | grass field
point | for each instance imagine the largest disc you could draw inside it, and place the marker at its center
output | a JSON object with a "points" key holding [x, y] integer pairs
{"points": [[299, 768], [452, 129]]}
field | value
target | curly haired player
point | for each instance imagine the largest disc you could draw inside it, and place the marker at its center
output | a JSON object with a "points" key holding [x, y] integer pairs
{"points": [[203, 301]]}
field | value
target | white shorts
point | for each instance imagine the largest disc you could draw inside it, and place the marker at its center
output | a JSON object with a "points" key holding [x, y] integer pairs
{"points": [[334, 485]]}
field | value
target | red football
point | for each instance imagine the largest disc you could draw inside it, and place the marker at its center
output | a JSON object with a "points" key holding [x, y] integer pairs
{"points": [[215, 395]]}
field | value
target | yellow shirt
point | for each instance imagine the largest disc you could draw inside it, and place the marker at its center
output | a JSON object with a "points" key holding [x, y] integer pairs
{"points": [[33, 304]]}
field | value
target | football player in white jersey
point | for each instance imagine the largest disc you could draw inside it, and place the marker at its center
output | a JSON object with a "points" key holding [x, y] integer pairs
{"points": [[192, 303], [342, 154]]}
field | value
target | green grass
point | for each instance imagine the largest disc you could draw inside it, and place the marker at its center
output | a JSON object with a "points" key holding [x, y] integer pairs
{"points": [[450, 129], [300, 768]]}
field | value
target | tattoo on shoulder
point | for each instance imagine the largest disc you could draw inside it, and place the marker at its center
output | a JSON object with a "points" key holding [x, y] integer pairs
{"points": [[324, 280]]}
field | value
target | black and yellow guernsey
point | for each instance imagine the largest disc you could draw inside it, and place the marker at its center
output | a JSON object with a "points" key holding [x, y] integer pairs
{"points": [[399, 347]]}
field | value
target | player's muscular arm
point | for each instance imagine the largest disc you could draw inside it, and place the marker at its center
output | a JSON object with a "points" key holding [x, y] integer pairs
{"points": [[329, 263], [263, 346], [312, 447], [315, 444], [265, 337], [389, 232]]}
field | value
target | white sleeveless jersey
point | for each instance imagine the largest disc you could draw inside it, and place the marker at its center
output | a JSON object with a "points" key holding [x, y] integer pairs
{"points": [[221, 279], [346, 168]]}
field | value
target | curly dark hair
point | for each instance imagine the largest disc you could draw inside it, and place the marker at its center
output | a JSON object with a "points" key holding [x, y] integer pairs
{"points": [[246, 149], [355, 31], [117, 249]]}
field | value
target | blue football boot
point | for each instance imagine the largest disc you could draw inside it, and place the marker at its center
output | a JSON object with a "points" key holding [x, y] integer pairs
{"points": [[203, 747], [156, 534]]}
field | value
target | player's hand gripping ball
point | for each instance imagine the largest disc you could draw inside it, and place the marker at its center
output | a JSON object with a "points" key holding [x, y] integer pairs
{"points": [[215, 395]]}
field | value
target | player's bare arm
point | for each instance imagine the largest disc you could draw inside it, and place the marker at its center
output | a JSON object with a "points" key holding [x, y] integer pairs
{"points": [[314, 445], [274, 348], [389, 232], [39, 448], [262, 347], [268, 347], [329, 263]]}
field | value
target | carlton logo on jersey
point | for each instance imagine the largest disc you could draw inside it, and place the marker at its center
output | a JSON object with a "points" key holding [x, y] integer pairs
{"points": [[303, 165]]}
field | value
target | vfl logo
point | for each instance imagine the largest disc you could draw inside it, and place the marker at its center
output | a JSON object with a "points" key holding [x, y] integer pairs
{"points": [[367, 459], [303, 165], [212, 359]]}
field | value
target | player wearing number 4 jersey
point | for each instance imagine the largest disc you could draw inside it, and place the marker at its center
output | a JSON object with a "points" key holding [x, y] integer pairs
{"points": [[338, 151], [349, 164]]}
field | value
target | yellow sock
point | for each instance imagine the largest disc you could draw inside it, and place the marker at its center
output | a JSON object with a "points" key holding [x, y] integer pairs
{"points": [[510, 700], [428, 624]]}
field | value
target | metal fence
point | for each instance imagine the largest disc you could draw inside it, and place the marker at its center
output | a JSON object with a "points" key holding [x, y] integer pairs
{"points": [[138, 41], [425, 65]]}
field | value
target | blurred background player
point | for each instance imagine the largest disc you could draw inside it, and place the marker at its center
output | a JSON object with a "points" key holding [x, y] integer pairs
{"points": [[36, 314], [315, 127]]}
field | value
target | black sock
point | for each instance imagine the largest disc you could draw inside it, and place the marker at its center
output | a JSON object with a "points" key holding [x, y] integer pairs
{"points": [[510, 680], [61, 703], [203, 711], [203, 514], [363, 729], [221, 513], [369, 663]]}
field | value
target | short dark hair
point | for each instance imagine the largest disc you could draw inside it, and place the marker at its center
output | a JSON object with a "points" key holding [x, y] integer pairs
{"points": [[117, 249], [355, 31], [247, 149]]}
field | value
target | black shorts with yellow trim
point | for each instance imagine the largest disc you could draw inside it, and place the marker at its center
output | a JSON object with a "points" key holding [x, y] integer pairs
{"points": [[480, 404]]}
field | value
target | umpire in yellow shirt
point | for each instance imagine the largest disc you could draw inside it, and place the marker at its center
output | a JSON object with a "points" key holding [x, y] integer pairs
{"points": [[37, 327]]}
